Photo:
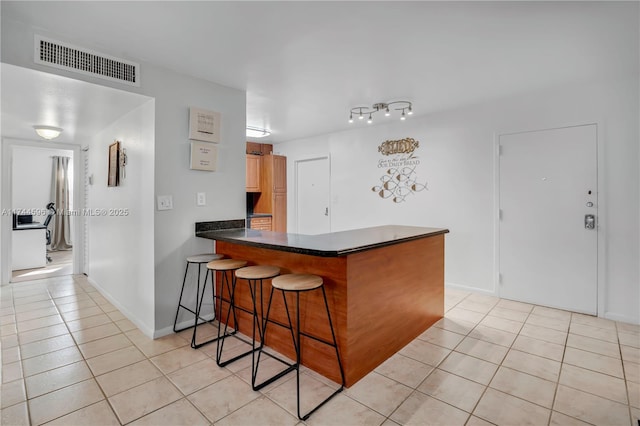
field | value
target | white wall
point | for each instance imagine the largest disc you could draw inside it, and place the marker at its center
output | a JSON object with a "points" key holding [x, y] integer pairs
{"points": [[31, 178], [120, 239], [174, 230], [224, 188], [457, 157]]}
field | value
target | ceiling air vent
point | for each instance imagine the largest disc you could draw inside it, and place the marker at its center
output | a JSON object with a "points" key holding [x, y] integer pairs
{"points": [[65, 56]]}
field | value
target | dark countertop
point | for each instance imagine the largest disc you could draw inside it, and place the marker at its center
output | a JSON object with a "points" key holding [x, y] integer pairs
{"points": [[27, 226], [252, 215], [325, 245]]}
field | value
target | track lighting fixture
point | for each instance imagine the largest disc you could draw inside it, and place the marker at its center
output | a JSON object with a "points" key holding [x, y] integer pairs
{"points": [[405, 107]]}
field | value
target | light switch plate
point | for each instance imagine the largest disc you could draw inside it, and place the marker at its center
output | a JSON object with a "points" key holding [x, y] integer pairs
{"points": [[165, 202], [201, 199]]}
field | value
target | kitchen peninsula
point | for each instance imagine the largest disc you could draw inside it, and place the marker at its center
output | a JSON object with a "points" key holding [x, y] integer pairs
{"points": [[385, 286]]}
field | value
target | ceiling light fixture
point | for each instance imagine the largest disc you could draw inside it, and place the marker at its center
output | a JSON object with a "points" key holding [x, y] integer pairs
{"points": [[257, 132], [48, 132], [404, 106]]}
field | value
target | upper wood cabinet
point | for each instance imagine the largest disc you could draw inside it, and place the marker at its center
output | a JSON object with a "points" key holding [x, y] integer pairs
{"points": [[266, 149], [259, 148], [253, 177], [254, 148], [279, 173]]}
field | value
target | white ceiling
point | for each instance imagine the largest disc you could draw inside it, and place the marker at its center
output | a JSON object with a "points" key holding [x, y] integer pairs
{"points": [[32, 97], [305, 64]]}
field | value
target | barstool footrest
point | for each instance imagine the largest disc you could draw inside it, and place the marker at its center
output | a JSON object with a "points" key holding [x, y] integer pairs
{"points": [[270, 380], [317, 339], [195, 345], [306, 416], [235, 358], [177, 330], [254, 373], [215, 339]]}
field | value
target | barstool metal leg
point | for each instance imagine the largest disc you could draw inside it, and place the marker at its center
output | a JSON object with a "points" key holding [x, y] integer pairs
{"points": [[333, 336], [184, 280], [262, 330], [224, 283], [231, 310], [195, 345], [197, 307], [296, 343]]}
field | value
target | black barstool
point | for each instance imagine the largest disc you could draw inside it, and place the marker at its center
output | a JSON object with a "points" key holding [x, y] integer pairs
{"points": [[199, 260], [298, 283], [224, 266], [255, 276]]}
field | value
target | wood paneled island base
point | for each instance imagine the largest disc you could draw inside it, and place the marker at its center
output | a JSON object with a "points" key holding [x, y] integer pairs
{"points": [[380, 299]]}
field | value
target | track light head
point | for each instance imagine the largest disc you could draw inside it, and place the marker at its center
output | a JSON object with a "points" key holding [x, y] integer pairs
{"points": [[405, 107]]}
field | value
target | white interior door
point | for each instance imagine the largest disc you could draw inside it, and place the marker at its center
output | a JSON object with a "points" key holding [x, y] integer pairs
{"points": [[312, 195], [548, 186]]}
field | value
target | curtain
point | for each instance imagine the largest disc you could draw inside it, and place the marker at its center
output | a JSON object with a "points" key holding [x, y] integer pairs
{"points": [[61, 224]]}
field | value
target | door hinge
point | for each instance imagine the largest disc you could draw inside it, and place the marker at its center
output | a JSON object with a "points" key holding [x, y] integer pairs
{"points": [[500, 214], [499, 149], [499, 278]]}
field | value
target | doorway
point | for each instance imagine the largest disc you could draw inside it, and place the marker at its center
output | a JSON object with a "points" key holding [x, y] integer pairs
{"points": [[41, 243], [548, 218], [313, 196]]}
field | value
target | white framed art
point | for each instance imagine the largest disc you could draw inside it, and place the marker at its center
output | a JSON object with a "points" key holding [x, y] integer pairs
{"points": [[204, 156], [204, 125]]}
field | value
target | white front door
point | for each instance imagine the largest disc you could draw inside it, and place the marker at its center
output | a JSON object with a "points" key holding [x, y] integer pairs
{"points": [[312, 195], [548, 195]]}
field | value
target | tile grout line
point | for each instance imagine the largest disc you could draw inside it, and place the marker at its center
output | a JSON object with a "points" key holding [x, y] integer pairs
{"points": [[51, 298], [557, 383], [624, 375], [495, 372], [445, 358], [387, 417]]}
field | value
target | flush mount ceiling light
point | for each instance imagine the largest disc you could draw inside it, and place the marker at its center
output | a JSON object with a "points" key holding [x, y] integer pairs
{"points": [[257, 132], [48, 132], [361, 112]]}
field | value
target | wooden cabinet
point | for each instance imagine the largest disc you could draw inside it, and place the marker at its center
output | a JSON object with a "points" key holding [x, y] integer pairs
{"points": [[280, 212], [261, 223], [253, 177], [279, 173], [273, 197], [266, 149], [259, 148]]}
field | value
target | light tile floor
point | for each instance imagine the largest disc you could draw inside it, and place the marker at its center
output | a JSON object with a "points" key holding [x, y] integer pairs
{"points": [[61, 264], [69, 357]]}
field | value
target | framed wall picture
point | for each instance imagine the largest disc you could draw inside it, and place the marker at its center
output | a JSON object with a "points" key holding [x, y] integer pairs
{"points": [[114, 164], [204, 156], [204, 125]]}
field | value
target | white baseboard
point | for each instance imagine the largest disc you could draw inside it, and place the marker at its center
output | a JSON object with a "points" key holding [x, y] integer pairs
{"points": [[461, 287], [183, 324], [147, 330], [622, 318]]}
